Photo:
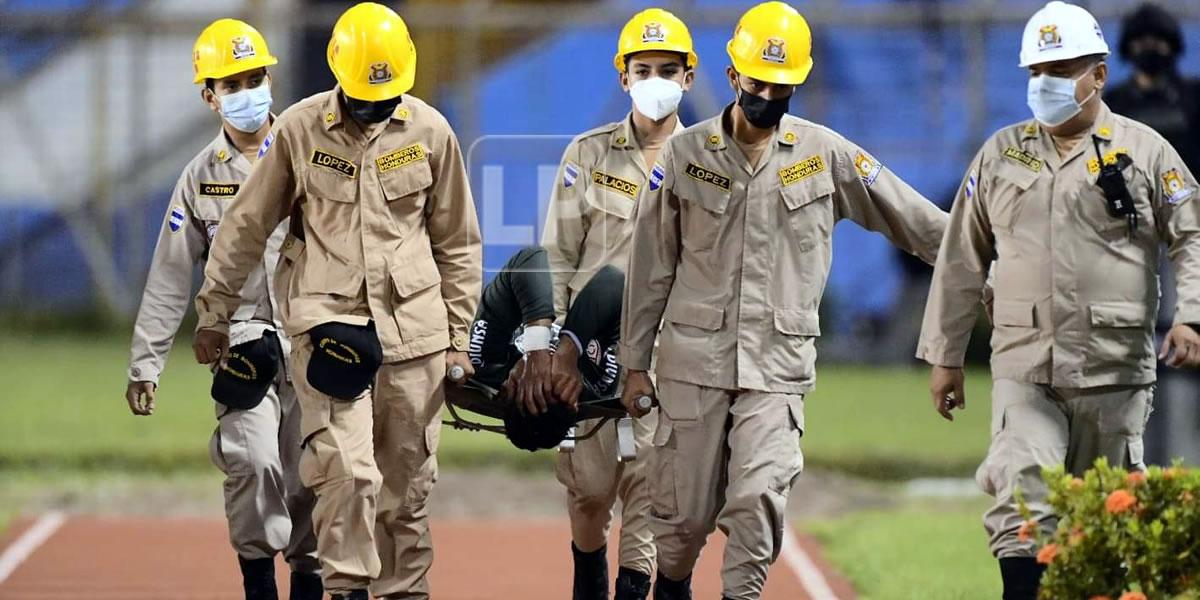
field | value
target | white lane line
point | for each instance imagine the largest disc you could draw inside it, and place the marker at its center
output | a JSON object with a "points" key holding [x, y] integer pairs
{"points": [[802, 565], [28, 543]]}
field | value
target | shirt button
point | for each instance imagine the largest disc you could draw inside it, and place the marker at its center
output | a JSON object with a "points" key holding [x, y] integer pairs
{"points": [[136, 372], [621, 141]]}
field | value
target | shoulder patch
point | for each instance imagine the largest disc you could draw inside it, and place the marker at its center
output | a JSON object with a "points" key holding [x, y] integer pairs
{"points": [[969, 187], [621, 186], [803, 170], [570, 174], [657, 174], [399, 158], [1174, 188], [699, 173], [262, 150], [177, 219], [219, 190], [322, 158], [1023, 158], [868, 168]]}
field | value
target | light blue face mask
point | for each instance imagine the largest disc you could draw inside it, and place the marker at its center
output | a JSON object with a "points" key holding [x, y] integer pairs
{"points": [[248, 109], [1052, 99]]}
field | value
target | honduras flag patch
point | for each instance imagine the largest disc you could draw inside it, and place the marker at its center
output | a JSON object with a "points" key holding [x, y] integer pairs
{"points": [[656, 176], [970, 185], [570, 174], [177, 218], [262, 150]]}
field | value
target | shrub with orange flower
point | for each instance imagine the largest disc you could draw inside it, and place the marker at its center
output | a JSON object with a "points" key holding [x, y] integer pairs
{"points": [[1119, 501], [1025, 533], [1047, 554], [1120, 535]]}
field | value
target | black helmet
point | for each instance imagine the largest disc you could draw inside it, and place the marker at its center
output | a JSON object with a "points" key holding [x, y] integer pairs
{"points": [[1150, 20]]}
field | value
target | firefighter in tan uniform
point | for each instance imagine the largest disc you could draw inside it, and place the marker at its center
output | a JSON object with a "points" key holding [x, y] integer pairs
{"points": [[732, 251], [1068, 212], [257, 440], [382, 271], [603, 173]]}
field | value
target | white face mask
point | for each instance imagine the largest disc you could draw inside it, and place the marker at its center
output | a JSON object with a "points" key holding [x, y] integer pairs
{"points": [[248, 109], [1052, 99], [656, 98]]}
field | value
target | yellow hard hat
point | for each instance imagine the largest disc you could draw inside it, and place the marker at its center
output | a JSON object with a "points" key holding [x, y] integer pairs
{"points": [[371, 53], [772, 43], [227, 47], [654, 29]]}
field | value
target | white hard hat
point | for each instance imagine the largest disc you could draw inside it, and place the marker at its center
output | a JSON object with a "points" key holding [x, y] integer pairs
{"points": [[1061, 31]]}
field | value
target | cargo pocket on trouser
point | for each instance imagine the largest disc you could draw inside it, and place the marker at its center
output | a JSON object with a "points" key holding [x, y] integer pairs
{"points": [[792, 465], [985, 475], [663, 502], [425, 476], [323, 461], [1122, 426]]}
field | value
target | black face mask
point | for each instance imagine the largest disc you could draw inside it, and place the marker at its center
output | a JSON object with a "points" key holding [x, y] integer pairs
{"points": [[371, 112], [763, 114], [1153, 63]]}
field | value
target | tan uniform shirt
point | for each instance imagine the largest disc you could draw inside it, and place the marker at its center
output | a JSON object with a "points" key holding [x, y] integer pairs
{"points": [[389, 227], [202, 194], [1075, 297], [736, 260], [589, 223]]}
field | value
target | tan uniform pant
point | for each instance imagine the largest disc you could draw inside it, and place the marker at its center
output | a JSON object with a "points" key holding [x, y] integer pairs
{"points": [[1036, 426], [268, 509], [726, 459], [372, 464], [595, 479]]}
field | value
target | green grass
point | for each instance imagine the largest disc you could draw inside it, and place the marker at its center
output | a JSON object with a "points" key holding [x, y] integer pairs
{"points": [[64, 408], [931, 551], [880, 423]]}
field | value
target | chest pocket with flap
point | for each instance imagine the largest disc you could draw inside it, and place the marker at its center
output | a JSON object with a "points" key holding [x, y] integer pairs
{"points": [[702, 205], [808, 210], [1008, 197]]}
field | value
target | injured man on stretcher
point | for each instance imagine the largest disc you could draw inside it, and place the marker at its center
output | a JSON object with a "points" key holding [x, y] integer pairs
{"points": [[541, 379]]}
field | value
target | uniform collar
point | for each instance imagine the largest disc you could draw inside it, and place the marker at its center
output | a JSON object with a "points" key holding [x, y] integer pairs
{"points": [[714, 131], [622, 138], [786, 133], [1103, 127], [333, 113], [222, 149]]}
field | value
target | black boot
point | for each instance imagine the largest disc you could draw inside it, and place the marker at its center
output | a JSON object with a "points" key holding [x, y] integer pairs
{"points": [[258, 578], [306, 586], [591, 574], [669, 589], [1021, 576], [632, 585], [355, 595]]}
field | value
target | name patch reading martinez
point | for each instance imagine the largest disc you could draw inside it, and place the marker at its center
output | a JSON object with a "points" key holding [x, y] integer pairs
{"points": [[712, 177], [628, 188], [399, 158], [802, 170], [1029, 161], [329, 161], [219, 189]]}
